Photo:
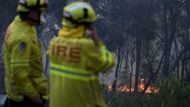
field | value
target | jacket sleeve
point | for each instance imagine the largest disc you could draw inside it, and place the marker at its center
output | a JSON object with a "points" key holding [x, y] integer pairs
{"points": [[99, 58], [20, 53]]}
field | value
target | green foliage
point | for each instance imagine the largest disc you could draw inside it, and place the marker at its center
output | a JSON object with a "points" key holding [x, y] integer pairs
{"points": [[112, 98], [172, 93], [115, 99]]}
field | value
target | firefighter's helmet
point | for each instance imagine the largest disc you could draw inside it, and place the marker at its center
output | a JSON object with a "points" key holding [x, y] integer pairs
{"points": [[78, 13], [27, 5]]}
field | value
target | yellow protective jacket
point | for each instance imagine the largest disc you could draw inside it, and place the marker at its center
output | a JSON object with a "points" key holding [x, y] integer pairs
{"points": [[23, 62], [75, 62]]}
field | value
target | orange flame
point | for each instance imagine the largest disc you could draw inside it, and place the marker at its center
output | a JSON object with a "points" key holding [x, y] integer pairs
{"points": [[141, 87]]}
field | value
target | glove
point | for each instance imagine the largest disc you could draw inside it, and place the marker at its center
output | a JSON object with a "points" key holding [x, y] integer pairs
{"points": [[45, 97]]}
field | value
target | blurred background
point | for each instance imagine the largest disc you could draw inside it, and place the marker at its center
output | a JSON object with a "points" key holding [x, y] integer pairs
{"points": [[150, 40]]}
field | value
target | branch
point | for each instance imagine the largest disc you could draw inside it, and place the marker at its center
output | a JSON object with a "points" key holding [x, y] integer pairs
{"points": [[179, 57], [153, 75]]}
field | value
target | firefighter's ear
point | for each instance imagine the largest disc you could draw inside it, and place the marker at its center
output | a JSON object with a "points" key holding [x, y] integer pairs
{"points": [[88, 30], [88, 33]]}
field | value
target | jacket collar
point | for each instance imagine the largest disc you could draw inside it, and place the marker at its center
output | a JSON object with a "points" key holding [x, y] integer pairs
{"points": [[72, 32], [20, 21]]}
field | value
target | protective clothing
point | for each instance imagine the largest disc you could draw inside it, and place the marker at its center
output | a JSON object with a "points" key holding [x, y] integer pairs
{"points": [[75, 62], [23, 62], [78, 13]]}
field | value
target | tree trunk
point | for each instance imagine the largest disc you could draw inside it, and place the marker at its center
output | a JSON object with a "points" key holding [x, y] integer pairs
{"points": [[166, 39], [117, 70], [138, 60]]}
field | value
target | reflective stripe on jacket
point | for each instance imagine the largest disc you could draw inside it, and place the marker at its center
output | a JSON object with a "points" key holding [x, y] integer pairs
{"points": [[23, 62], [75, 62], [73, 73]]}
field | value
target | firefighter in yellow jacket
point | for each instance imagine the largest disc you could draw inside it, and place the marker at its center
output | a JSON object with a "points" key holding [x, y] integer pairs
{"points": [[26, 85], [76, 57]]}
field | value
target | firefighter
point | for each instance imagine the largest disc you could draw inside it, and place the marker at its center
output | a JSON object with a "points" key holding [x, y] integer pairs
{"points": [[26, 85], [77, 55]]}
